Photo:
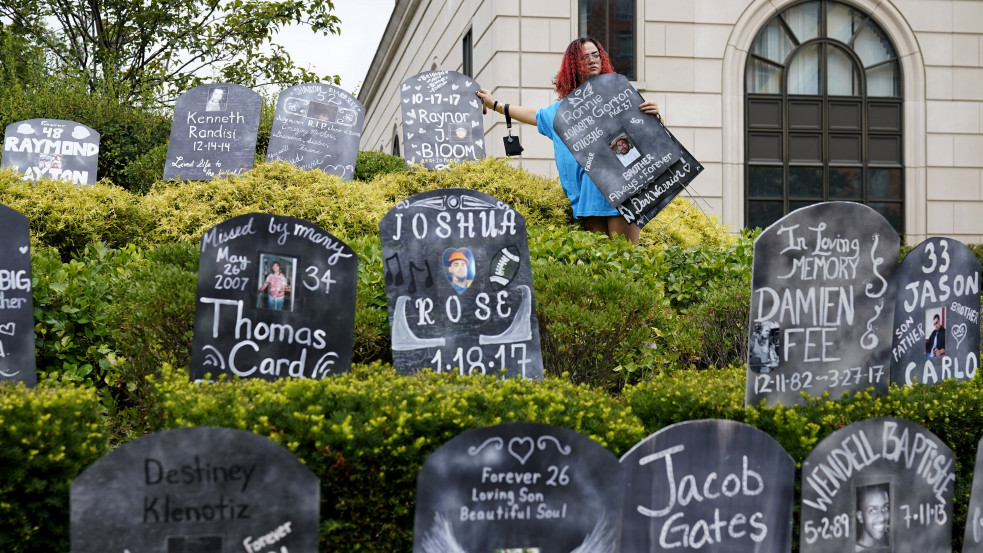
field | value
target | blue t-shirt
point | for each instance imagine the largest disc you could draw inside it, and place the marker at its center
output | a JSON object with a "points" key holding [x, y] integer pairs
{"points": [[585, 199]]}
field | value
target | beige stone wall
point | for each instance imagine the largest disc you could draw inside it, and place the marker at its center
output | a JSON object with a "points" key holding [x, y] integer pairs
{"points": [[703, 45]]}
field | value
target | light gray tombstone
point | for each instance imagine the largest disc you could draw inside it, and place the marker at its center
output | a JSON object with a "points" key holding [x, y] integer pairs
{"points": [[213, 132], [973, 536], [937, 314], [442, 120], [882, 484], [196, 490], [52, 148], [710, 485], [459, 285], [276, 299], [822, 304], [636, 163], [519, 487], [17, 357], [317, 126]]}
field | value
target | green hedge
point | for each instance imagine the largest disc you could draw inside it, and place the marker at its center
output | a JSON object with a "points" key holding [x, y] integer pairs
{"points": [[48, 436]]}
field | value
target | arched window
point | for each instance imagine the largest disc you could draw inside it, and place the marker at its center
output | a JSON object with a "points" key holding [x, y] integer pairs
{"points": [[823, 114]]}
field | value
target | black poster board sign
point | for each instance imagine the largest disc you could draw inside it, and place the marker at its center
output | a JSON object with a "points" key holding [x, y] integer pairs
{"points": [[636, 163], [937, 314], [51, 148], [17, 358], [442, 120], [822, 304], [459, 285], [882, 484], [213, 132], [708, 485], [276, 299], [196, 490], [520, 487], [973, 536], [317, 126]]}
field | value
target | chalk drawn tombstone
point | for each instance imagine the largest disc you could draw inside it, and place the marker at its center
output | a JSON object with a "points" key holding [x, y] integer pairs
{"points": [[442, 120], [937, 314], [882, 484], [51, 148], [459, 285], [822, 304], [317, 126], [636, 163], [213, 132], [973, 535], [708, 485], [276, 299], [17, 360], [520, 487], [196, 490]]}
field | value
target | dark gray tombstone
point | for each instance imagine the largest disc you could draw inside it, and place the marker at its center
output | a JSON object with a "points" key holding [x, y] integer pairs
{"points": [[973, 536], [53, 149], [442, 120], [459, 285], [822, 304], [878, 485], [937, 314], [636, 163], [196, 490], [17, 360], [213, 132], [317, 126], [521, 487], [276, 299], [708, 485]]}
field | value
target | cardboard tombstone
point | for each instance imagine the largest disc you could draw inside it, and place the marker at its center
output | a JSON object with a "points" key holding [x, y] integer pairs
{"points": [[276, 299], [708, 485], [317, 126], [196, 490], [442, 120], [17, 358], [213, 132], [973, 535], [822, 304], [53, 149], [882, 484], [520, 487], [459, 285], [937, 314], [636, 163]]}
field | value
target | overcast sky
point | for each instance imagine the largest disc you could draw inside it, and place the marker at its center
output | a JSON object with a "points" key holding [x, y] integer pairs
{"points": [[348, 54]]}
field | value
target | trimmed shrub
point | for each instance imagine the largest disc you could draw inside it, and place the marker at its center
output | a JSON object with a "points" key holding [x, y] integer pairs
{"points": [[144, 171], [369, 165], [49, 435], [366, 434]]}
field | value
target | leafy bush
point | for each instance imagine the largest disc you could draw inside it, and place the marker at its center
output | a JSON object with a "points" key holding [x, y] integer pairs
{"points": [[144, 171], [49, 435], [369, 165], [366, 434]]}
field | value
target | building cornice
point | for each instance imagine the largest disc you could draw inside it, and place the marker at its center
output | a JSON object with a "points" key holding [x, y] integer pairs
{"points": [[399, 22]]}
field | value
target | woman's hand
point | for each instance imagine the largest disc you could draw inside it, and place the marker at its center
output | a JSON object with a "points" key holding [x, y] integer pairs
{"points": [[651, 108], [487, 100]]}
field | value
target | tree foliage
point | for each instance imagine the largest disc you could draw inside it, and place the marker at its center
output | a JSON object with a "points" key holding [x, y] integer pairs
{"points": [[156, 49]]}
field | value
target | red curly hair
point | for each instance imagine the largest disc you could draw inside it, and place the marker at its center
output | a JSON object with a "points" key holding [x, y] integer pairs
{"points": [[574, 70]]}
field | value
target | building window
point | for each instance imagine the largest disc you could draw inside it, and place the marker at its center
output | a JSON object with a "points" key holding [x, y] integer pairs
{"points": [[823, 114], [612, 22], [395, 150], [467, 48]]}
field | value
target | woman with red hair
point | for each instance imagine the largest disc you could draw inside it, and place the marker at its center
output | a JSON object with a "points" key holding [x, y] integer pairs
{"points": [[583, 59]]}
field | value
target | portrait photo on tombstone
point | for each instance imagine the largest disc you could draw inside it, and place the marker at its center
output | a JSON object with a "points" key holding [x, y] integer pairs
{"points": [[873, 517], [277, 277], [935, 332], [218, 98], [625, 149], [763, 351], [459, 264]]}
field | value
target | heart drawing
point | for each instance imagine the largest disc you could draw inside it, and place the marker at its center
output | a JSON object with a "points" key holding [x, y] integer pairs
{"points": [[521, 449], [8, 329], [959, 333], [23, 249]]}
